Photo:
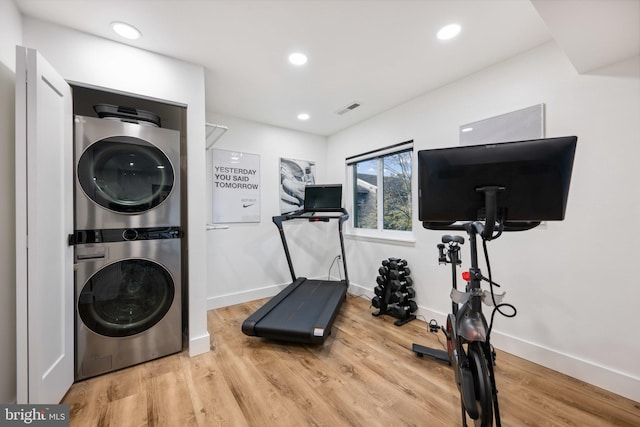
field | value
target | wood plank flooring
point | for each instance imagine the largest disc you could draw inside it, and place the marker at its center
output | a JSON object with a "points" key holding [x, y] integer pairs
{"points": [[364, 375]]}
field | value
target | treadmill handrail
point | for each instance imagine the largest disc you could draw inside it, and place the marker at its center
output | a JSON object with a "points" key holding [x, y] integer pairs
{"points": [[279, 219], [300, 214]]}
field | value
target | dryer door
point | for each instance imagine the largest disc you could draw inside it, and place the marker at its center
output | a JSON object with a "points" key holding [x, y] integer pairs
{"points": [[126, 297], [125, 174]]}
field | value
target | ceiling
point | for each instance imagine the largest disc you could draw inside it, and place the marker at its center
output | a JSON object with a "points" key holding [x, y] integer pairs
{"points": [[378, 53]]}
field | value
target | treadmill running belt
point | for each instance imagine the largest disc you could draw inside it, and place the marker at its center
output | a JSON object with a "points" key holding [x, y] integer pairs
{"points": [[302, 312]]}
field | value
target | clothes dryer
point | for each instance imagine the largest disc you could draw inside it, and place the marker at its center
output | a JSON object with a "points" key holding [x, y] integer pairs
{"points": [[127, 174], [128, 297]]}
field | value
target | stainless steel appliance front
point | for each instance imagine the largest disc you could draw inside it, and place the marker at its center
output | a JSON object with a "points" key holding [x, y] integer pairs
{"points": [[127, 175], [128, 302]]}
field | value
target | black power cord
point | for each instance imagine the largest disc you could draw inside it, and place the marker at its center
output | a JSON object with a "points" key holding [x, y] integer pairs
{"points": [[337, 257], [434, 328], [496, 307]]}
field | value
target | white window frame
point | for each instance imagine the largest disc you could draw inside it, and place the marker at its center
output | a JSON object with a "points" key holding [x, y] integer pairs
{"points": [[401, 237]]}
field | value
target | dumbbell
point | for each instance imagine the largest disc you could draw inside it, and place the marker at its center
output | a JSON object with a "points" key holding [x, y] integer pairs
{"points": [[396, 310], [402, 311], [379, 290], [399, 287], [409, 293], [402, 297], [383, 271], [375, 301], [396, 297], [398, 265], [399, 275], [381, 281], [413, 306], [407, 282]]}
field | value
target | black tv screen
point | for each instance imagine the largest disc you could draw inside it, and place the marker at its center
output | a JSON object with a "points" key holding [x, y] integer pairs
{"points": [[533, 177], [320, 198]]}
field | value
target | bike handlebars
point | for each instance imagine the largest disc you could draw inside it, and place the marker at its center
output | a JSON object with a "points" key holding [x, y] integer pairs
{"points": [[454, 226]]}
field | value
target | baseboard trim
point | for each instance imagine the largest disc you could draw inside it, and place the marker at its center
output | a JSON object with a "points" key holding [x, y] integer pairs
{"points": [[244, 296], [600, 376], [360, 291], [199, 345], [606, 378]]}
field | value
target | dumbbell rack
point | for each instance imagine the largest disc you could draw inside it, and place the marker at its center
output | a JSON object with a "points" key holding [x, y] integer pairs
{"points": [[394, 291]]}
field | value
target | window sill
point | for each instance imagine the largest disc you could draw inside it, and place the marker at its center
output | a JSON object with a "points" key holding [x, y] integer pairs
{"points": [[382, 237]]}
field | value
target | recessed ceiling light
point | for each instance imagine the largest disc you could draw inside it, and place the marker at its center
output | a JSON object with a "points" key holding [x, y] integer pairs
{"points": [[449, 31], [303, 116], [125, 30], [298, 58], [466, 129]]}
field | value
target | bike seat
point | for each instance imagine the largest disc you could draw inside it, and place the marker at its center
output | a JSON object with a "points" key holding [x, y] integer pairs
{"points": [[455, 239]]}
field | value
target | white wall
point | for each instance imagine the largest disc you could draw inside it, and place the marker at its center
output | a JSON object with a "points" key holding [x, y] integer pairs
{"points": [[87, 59], [10, 36], [246, 261], [574, 282]]}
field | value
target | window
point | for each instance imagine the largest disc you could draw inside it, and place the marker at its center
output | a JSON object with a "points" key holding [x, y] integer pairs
{"points": [[382, 189]]}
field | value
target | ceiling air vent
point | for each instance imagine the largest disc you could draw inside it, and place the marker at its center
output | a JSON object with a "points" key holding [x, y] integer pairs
{"points": [[348, 108]]}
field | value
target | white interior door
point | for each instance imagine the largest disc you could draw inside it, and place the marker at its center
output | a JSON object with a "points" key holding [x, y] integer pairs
{"points": [[44, 219]]}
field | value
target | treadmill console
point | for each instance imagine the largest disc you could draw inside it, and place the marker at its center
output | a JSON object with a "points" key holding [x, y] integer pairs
{"points": [[323, 198]]}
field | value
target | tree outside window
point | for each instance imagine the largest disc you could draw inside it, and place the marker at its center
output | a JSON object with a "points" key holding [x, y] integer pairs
{"points": [[382, 192]]}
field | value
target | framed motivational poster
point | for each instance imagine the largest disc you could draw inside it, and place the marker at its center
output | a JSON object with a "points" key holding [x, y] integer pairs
{"points": [[236, 186]]}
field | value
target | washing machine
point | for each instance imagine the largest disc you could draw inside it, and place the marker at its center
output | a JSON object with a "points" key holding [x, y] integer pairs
{"points": [[127, 173], [128, 297]]}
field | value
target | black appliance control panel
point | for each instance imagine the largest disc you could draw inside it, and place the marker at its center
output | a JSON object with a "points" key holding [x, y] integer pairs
{"points": [[123, 235]]}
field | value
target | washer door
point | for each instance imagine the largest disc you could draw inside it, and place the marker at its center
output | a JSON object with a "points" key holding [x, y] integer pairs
{"points": [[126, 298], [125, 174]]}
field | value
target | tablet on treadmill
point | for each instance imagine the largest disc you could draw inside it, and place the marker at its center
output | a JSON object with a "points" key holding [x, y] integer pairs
{"points": [[323, 198]]}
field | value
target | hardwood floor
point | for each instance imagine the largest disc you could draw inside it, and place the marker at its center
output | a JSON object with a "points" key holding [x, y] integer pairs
{"points": [[364, 375]]}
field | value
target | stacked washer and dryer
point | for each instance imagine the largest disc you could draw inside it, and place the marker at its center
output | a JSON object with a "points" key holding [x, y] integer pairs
{"points": [[127, 240]]}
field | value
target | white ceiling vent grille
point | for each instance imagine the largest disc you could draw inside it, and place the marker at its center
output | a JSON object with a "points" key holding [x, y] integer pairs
{"points": [[348, 108]]}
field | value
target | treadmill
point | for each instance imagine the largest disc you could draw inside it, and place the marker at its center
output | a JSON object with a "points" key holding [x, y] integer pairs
{"points": [[304, 311]]}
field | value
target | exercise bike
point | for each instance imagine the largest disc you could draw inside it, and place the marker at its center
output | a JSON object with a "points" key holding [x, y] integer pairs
{"points": [[469, 349], [499, 187]]}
